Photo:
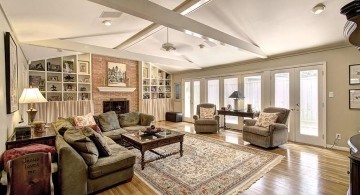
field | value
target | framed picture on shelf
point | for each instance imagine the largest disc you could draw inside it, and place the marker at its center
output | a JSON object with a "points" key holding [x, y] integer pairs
{"points": [[11, 72], [70, 87], [84, 96], [34, 81], [69, 97], [354, 74], [55, 68], [354, 98], [68, 66], [53, 97], [116, 74], [53, 78], [83, 67]]}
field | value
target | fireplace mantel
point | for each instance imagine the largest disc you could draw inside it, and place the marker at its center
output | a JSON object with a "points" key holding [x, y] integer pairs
{"points": [[116, 89]]}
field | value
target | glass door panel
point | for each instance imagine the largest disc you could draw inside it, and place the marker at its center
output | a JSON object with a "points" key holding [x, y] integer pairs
{"points": [[252, 92], [230, 85], [282, 90], [196, 95], [187, 99], [309, 103], [213, 92]]}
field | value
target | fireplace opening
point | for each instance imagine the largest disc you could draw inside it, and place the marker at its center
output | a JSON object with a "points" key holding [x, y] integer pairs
{"points": [[120, 106]]}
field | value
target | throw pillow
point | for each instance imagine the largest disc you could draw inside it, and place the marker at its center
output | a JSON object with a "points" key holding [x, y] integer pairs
{"points": [[80, 141], [207, 113], [109, 121], [145, 119], [84, 121], [266, 119], [129, 119], [61, 123], [100, 143]]}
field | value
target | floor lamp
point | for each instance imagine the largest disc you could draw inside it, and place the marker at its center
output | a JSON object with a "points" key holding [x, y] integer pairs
{"points": [[31, 96], [237, 95]]}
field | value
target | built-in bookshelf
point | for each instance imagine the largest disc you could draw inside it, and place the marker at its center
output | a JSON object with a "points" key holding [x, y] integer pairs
{"points": [[156, 83], [66, 78]]}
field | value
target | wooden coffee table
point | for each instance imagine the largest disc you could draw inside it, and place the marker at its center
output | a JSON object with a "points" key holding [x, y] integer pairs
{"points": [[145, 142]]}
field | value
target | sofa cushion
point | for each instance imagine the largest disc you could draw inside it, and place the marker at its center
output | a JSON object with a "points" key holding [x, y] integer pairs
{"points": [[114, 134], [61, 123], [206, 122], [266, 119], [129, 119], [257, 130], [99, 141], [83, 144], [121, 158], [135, 128], [109, 121]]}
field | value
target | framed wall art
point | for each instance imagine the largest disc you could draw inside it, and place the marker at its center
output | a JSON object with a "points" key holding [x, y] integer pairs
{"points": [[11, 70], [116, 74], [354, 98], [177, 91], [83, 67], [354, 74]]}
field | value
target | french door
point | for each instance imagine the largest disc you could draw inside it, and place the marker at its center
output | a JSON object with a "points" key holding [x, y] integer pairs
{"points": [[302, 91], [191, 99]]}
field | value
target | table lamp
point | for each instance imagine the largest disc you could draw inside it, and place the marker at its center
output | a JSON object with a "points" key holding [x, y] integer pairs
{"points": [[236, 95], [31, 96]]}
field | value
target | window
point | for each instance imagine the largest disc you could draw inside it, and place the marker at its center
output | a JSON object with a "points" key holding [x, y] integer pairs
{"points": [[230, 85], [187, 99], [196, 91], [252, 92]]}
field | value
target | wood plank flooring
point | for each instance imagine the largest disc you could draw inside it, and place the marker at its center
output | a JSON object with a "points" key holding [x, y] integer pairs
{"points": [[304, 170]]}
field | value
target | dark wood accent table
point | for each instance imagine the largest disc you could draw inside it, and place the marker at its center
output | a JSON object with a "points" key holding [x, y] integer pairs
{"points": [[144, 143], [236, 113], [47, 137]]}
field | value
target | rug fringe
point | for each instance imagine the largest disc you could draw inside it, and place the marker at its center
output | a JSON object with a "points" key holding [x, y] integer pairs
{"points": [[256, 177]]}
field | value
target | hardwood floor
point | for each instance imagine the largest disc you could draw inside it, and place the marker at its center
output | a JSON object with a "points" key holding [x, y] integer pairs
{"points": [[304, 170]]}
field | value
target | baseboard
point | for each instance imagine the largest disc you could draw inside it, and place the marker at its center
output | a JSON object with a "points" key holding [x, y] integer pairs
{"points": [[338, 147]]}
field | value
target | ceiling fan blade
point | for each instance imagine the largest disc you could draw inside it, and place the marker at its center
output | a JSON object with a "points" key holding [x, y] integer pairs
{"points": [[99, 34], [186, 58]]}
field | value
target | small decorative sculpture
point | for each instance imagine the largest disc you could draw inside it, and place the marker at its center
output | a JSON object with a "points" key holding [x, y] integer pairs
{"points": [[53, 88]]}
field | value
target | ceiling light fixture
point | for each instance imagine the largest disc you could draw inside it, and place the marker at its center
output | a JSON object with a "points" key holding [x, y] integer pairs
{"points": [[107, 22], [318, 9]]}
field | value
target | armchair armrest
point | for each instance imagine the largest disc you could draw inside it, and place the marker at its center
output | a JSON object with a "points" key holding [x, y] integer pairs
{"points": [[196, 117], [277, 127], [250, 122]]}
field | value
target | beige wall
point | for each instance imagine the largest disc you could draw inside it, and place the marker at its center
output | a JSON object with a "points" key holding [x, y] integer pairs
{"points": [[339, 118], [8, 121]]}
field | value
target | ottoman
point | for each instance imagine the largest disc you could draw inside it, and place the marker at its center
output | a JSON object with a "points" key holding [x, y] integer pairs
{"points": [[173, 116]]}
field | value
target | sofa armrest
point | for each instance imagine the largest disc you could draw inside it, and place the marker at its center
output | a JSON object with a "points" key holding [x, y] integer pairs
{"points": [[217, 118], [250, 122], [196, 117], [146, 119], [72, 169]]}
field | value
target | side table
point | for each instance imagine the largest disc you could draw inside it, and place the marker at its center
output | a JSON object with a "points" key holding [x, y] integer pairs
{"points": [[47, 137]]}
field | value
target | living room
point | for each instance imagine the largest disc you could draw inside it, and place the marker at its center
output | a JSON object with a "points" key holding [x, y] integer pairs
{"points": [[71, 51]]}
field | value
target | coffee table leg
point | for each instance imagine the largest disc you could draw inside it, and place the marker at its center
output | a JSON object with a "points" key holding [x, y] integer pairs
{"points": [[142, 160], [181, 149]]}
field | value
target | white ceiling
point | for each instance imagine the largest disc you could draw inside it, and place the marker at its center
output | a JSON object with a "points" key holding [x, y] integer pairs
{"points": [[277, 27]]}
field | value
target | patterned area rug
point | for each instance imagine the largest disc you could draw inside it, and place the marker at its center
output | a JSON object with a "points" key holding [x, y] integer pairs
{"points": [[208, 166]]}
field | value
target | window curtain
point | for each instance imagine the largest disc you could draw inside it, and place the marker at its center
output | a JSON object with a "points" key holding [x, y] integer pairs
{"points": [[157, 107], [50, 111]]}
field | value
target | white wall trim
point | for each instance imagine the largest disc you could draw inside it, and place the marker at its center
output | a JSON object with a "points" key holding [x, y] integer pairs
{"points": [[328, 146]]}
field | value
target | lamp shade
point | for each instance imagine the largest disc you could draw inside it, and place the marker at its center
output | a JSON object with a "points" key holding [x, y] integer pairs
{"points": [[31, 95], [237, 95]]}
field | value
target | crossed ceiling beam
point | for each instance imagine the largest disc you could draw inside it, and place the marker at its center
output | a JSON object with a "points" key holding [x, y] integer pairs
{"points": [[150, 11], [80, 47], [153, 28]]}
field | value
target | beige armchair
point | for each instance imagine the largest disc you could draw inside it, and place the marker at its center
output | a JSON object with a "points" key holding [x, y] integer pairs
{"points": [[275, 135], [206, 125]]}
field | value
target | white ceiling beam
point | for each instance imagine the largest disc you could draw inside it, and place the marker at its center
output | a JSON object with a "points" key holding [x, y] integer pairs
{"points": [[80, 47], [152, 12], [152, 28]]}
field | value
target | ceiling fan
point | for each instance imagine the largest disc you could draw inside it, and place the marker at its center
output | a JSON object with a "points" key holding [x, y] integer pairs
{"points": [[179, 50]]}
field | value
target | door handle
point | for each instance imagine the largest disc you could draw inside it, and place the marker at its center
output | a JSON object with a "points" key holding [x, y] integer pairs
{"points": [[298, 104]]}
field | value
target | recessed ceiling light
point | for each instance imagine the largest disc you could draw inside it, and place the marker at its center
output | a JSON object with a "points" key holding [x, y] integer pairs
{"points": [[318, 9], [107, 22]]}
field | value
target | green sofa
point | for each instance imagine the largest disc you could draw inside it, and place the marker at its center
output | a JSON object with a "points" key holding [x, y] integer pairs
{"points": [[77, 177]]}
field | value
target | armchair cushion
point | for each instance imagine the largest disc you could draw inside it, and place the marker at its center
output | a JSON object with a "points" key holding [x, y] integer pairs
{"points": [[109, 121], [250, 122], [265, 119], [206, 122], [257, 130], [207, 113]]}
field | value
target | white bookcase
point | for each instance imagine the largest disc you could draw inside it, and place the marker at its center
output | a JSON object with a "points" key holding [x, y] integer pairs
{"points": [[66, 78], [155, 82]]}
